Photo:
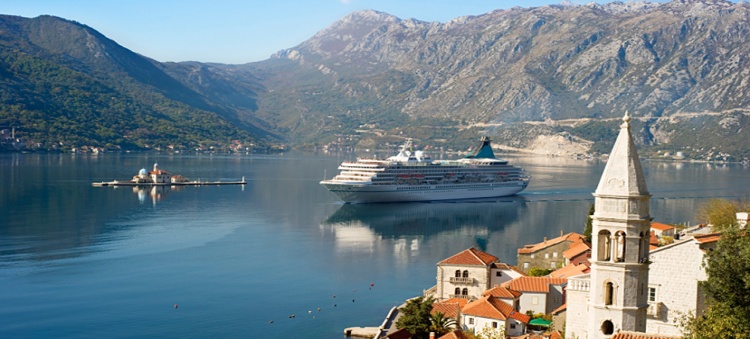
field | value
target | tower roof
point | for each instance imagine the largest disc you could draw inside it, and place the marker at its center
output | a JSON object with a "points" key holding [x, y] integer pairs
{"points": [[623, 175]]}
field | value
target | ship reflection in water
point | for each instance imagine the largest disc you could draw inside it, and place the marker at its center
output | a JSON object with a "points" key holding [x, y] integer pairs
{"points": [[369, 227]]}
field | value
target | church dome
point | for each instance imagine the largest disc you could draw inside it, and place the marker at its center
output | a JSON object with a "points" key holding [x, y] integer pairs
{"points": [[143, 171]]}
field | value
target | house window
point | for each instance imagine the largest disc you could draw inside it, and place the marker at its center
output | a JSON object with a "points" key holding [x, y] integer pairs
{"points": [[535, 300], [512, 325], [552, 265], [471, 321], [458, 291], [494, 324], [466, 274], [465, 291], [499, 274], [554, 254], [652, 294], [525, 265], [546, 255], [532, 255], [458, 273]]}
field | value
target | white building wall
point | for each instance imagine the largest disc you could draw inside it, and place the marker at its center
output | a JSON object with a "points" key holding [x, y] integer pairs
{"points": [[675, 272], [505, 276], [535, 302], [480, 324]]}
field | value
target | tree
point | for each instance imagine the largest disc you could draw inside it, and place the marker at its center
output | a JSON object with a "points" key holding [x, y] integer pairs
{"points": [[589, 224], [721, 213], [539, 272], [440, 324], [415, 317], [727, 290]]}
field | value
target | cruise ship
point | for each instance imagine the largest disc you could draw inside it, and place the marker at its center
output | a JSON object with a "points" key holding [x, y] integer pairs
{"points": [[414, 176]]}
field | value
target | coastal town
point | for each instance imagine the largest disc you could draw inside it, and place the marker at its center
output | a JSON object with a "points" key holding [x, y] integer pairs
{"points": [[631, 277]]}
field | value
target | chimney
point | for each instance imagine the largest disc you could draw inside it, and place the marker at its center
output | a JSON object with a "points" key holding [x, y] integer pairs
{"points": [[545, 240], [432, 335]]}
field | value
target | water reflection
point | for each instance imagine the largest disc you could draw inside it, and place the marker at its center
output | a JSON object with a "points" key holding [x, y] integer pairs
{"points": [[361, 227]]}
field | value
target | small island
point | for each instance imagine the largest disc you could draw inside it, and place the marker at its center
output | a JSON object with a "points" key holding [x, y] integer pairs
{"points": [[160, 177]]}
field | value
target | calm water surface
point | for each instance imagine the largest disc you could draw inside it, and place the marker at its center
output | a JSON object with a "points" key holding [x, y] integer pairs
{"points": [[82, 261]]}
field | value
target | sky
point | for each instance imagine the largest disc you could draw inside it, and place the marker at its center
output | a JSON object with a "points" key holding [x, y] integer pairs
{"points": [[236, 31]]}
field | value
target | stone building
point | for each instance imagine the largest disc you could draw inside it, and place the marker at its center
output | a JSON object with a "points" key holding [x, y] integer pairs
{"points": [[469, 273], [673, 283], [547, 254]]}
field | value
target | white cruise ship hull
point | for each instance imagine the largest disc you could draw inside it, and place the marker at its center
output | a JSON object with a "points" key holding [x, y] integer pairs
{"points": [[364, 193]]}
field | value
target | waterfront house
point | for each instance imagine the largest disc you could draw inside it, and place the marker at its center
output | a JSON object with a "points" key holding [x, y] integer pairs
{"points": [[493, 315], [506, 295], [662, 230], [547, 254], [539, 294], [468, 274]]}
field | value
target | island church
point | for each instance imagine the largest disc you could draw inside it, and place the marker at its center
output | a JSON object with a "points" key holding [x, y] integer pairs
{"points": [[613, 296]]}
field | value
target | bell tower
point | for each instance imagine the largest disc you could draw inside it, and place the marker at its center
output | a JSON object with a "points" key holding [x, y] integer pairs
{"points": [[620, 234]]}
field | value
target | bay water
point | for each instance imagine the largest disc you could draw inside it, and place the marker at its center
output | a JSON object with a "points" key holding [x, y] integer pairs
{"points": [[279, 257]]}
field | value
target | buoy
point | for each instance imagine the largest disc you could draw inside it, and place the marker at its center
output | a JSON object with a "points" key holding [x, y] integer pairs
{"points": [[372, 284], [270, 321], [176, 306], [352, 300], [334, 305], [309, 312], [334, 296], [318, 309]]}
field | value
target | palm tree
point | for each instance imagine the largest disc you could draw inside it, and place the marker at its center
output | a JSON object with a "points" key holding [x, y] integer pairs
{"points": [[440, 324]]}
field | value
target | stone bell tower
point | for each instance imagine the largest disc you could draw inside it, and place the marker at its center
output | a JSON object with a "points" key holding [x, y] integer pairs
{"points": [[620, 234]]}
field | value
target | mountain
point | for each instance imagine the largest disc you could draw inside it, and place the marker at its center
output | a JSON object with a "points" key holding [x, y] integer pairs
{"points": [[553, 80], [64, 85], [680, 68]]}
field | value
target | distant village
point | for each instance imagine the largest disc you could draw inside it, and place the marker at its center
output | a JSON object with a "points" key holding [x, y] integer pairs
{"points": [[634, 278]]}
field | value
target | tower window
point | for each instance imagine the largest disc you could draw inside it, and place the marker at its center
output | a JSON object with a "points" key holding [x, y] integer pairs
{"points": [[604, 248], [609, 290], [607, 327]]}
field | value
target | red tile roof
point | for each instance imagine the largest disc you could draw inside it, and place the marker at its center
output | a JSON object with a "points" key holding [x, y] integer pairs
{"points": [[534, 284], [706, 238], [449, 308], [471, 256], [661, 227], [570, 270], [493, 308], [502, 292], [653, 240], [576, 249], [572, 237], [562, 307], [639, 335], [457, 334]]}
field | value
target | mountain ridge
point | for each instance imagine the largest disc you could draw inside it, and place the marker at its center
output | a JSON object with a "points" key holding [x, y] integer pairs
{"points": [[562, 72]]}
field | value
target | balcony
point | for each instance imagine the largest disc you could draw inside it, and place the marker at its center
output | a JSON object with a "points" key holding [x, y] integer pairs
{"points": [[655, 309], [460, 296], [459, 280]]}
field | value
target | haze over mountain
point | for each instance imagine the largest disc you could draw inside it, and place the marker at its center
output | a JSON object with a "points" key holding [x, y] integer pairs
{"points": [[550, 79]]}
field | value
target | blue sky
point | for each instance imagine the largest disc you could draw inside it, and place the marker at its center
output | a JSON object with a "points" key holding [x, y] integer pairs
{"points": [[236, 31]]}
